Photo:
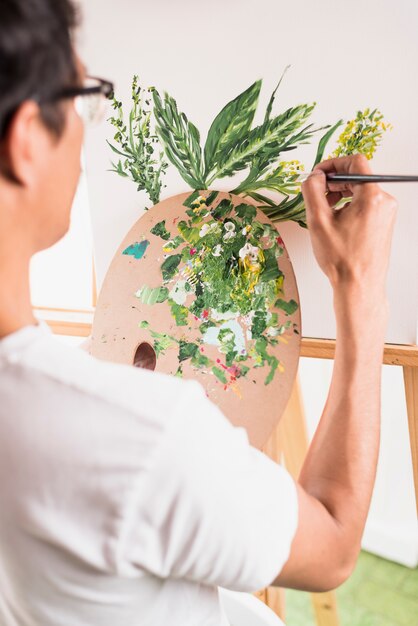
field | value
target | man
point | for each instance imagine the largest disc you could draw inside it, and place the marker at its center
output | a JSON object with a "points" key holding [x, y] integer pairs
{"points": [[126, 497]]}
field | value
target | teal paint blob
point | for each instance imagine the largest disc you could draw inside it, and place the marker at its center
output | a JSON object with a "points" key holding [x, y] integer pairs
{"points": [[137, 250]]}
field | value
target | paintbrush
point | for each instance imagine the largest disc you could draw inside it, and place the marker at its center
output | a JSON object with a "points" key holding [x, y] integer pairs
{"points": [[364, 178]]}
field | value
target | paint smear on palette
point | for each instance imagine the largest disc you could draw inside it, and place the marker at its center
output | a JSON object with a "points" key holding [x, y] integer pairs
{"points": [[137, 250], [221, 269]]}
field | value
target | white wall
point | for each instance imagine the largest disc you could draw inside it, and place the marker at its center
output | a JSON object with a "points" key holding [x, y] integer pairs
{"points": [[62, 276], [345, 56]]}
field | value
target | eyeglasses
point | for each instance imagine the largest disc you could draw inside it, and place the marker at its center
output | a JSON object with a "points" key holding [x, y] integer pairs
{"points": [[90, 99]]}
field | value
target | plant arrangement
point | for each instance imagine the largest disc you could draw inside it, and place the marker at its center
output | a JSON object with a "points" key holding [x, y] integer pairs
{"points": [[159, 132], [221, 268]]}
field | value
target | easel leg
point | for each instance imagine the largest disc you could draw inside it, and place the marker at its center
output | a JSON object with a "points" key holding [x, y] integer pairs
{"points": [[274, 596], [294, 442], [410, 376]]}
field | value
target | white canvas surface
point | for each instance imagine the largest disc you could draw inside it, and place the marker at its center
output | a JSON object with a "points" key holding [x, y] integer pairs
{"points": [[345, 56]]}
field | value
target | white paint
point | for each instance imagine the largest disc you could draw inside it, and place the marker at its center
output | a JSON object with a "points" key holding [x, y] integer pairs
{"points": [[345, 55], [211, 335], [179, 293]]}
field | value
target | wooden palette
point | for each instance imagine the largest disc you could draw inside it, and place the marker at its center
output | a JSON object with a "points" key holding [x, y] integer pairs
{"points": [[202, 287]]}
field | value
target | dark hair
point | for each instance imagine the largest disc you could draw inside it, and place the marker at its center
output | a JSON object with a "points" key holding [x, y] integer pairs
{"points": [[36, 57]]}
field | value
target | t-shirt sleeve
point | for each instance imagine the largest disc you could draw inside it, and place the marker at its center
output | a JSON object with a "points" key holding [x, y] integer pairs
{"points": [[213, 509]]}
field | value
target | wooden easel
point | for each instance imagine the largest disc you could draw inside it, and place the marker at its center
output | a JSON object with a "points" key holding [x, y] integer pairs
{"points": [[290, 442]]}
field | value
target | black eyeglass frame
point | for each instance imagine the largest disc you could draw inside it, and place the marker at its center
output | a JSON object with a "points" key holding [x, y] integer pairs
{"points": [[105, 88]]}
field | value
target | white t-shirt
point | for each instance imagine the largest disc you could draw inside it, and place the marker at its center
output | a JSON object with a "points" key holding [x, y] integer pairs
{"points": [[126, 497]]}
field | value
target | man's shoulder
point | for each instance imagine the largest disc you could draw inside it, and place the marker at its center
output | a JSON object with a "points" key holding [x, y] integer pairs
{"points": [[127, 387]]}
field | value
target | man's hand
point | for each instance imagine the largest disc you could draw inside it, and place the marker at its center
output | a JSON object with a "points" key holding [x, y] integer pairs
{"points": [[352, 247], [351, 243]]}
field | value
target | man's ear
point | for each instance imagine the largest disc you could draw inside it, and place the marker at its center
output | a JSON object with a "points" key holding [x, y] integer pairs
{"points": [[24, 142]]}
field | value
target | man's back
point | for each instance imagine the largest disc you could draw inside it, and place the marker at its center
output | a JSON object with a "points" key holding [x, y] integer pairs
{"points": [[112, 509]]}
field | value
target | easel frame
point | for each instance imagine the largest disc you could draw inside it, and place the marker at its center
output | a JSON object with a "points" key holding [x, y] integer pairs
{"points": [[290, 438]]}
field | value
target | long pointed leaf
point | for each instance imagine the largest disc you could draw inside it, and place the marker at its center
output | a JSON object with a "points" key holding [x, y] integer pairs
{"points": [[181, 140], [231, 124], [266, 141], [323, 142], [273, 95]]}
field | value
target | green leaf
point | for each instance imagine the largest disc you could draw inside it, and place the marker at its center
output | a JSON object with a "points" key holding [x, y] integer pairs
{"points": [[159, 230], [273, 95], [119, 152], [231, 125], [288, 307], [181, 140], [170, 266], [263, 144], [323, 142]]}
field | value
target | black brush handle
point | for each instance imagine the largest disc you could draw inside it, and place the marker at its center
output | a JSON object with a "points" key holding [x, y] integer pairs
{"points": [[370, 178]]}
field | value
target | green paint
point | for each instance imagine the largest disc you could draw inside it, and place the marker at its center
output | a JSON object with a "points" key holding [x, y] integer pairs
{"points": [[259, 324], [179, 312], [212, 197], [220, 374], [174, 243], [190, 200], [223, 209], [189, 233], [137, 250], [288, 307], [187, 350], [200, 361], [150, 295], [170, 266], [246, 212], [159, 230], [271, 271], [227, 261]]}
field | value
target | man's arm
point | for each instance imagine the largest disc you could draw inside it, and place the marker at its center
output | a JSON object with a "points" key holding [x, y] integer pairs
{"points": [[335, 485]]}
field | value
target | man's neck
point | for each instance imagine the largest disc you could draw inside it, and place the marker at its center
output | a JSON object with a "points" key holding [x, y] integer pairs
{"points": [[15, 301]]}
